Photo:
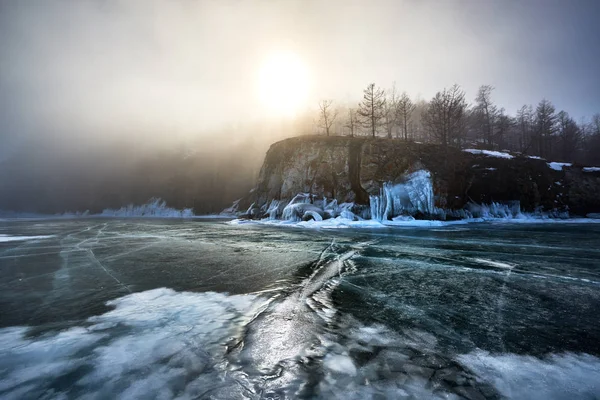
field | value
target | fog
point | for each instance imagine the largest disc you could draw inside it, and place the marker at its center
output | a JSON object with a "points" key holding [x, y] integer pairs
{"points": [[97, 88]]}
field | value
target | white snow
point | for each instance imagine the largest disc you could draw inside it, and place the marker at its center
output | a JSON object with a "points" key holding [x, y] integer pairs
{"points": [[535, 157], [557, 166], [489, 153], [154, 344], [9, 238], [591, 169]]}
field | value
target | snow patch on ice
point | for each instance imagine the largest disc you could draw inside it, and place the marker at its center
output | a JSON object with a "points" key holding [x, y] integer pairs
{"points": [[536, 157], [558, 166], [591, 169], [556, 376], [493, 263], [490, 153], [9, 238], [340, 363]]}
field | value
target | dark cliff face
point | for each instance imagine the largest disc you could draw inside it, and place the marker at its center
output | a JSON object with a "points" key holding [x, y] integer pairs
{"points": [[350, 169]]}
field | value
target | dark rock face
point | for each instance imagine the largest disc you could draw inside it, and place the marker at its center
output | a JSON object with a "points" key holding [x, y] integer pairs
{"points": [[350, 169]]}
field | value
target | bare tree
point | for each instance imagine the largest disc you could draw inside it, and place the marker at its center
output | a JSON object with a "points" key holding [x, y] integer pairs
{"points": [[595, 124], [545, 127], [445, 116], [504, 125], [569, 134], [326, 115], [592, 145], [372, 108], [391, 111], [525, 126], [351, 121], [404, 110], [485, 113]]}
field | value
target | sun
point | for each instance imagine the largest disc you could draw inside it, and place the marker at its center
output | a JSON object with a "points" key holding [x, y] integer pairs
{"points": [[283, 84]]}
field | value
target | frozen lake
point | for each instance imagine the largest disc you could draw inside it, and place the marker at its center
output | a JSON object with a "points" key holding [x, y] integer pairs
{"points": [[157, 308]]}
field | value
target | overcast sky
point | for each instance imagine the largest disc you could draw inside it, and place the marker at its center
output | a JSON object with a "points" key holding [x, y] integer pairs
{"points": [[119, 66]]}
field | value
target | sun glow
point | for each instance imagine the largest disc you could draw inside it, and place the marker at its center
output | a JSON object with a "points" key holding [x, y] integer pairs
{"points": [[283, 84]]}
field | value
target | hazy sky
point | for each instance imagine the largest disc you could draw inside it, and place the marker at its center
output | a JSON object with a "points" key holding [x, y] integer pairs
{"points": [[114, 67]]}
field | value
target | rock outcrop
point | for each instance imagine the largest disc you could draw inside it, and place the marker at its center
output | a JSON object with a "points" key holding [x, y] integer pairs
{"points": [[353, 169]]}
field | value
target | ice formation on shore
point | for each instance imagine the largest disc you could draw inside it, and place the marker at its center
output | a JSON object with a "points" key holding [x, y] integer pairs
{"points": [[409, 198], [154, 208]]}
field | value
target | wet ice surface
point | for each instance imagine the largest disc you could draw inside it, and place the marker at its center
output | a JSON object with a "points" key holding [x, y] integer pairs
{"points": [[106, 308]]}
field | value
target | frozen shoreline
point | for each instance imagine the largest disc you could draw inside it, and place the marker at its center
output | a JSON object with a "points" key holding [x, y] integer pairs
{"points": [[332, 223], [341, 223]]}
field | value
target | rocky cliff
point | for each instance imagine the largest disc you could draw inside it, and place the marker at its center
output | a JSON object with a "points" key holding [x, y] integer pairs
{"points": [[350, 170]]}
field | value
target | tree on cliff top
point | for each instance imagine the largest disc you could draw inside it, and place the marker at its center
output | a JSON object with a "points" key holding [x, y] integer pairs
{"points": [[569, 134], [485, 114], [405, 109], [372, 108], [351, 121], [390, 118], [545, 127], [445, 116], [525, 124], [326, 115]]}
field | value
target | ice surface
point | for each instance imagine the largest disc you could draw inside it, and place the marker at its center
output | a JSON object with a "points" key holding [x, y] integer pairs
{"points": [[556, 376], [366, 315], [489, 153], [558, 166]]}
